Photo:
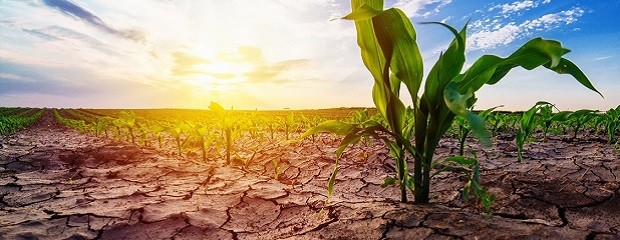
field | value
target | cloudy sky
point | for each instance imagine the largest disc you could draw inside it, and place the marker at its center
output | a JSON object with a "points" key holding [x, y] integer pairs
{"points": [[261, 54]]}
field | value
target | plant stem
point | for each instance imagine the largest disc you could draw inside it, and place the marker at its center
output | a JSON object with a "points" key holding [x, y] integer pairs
{"points": [[228, 145], [402, 172], [464, 133], [204, 150]]}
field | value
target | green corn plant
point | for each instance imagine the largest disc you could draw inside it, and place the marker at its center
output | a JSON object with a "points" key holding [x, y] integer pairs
{"points": [[512, 121], [599, 121], [11, 123], [200, 133], [579, 118], [548, 118], [471, 168], [118, 124], [79, 125], [254, 127], [496, 121], [178, 132], [230, 128], [464, 128], [290, 126], [527, 126], [311, 122], [546, 113], [276, 168], [612, 123], [158, 131], [102, 125], [127, 120], [142, 129], [387, 40], [271, 128]]}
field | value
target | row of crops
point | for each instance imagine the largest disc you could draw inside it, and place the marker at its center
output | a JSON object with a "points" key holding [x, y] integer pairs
{"points": [[13, 119], [223, 133], [541, 120], [208, 134]]}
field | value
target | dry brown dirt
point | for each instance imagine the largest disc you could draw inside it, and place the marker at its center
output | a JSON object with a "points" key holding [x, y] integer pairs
{"points": [[56, 183]]}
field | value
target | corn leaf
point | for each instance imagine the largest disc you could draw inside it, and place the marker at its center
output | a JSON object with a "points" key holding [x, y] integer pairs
{"points": [[332, 181], [331, 126], [397, 39], [489, 69], [352, 138], [371, 53], [216, 107], [447, 67], [364, 12], [388, 181], [460, 160]]}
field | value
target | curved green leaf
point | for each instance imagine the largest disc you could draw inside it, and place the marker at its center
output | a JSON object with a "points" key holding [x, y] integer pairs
{"points": [[447, 67], [397, 39], [364, 12], [331, 126]]}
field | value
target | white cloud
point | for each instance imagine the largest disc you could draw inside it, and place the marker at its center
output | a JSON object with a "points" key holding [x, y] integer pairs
{"points": [[446, 19], [487, 39], [603, 58], [489, 33], [515, 6], [415, 8]]}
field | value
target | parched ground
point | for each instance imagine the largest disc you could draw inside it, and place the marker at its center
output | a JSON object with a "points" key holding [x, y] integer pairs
{"points": [[56, 183]]}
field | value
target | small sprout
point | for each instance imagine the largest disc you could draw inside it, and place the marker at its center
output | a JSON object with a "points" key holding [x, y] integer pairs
{"points": [[276, 168]]}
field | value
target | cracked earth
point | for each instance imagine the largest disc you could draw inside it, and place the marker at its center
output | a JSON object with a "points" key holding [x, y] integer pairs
{"points": [[56, 183]]}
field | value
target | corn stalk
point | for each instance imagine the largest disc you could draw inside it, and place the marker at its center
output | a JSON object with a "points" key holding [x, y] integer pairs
{"points": [[387, 41]]}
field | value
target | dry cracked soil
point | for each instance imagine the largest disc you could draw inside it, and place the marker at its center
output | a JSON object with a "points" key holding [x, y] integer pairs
{"points": [[56, 183]]}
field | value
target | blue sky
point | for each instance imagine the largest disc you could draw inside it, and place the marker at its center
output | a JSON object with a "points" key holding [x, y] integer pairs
{"points": [[259, 54]]}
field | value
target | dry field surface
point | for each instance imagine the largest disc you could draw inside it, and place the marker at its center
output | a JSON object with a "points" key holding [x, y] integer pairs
{"points": [[56, 183]]}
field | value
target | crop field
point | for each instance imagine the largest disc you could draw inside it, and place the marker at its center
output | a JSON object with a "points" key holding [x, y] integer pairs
{"points": [[134, 120], [218, 174]]}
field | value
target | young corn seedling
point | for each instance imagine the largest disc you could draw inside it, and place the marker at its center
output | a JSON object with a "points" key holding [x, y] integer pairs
{"points": [[199, 133], [158, 131], [102, 125], [230, 129], [613, 121], [464, 128], [387, 40], [527, 126], [143, 131], [599, 121], [548, 118], [271, 128], [471, 168], [276, 168], [177, 133], [127, 120], [496, 122], [310, 122], [290, 126], [579, 118]]}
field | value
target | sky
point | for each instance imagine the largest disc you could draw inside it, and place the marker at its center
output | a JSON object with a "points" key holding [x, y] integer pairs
{"points": [[261, 54]]}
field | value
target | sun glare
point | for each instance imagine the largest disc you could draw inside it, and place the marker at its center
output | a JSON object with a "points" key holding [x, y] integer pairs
{"points": [[224, 70]]}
